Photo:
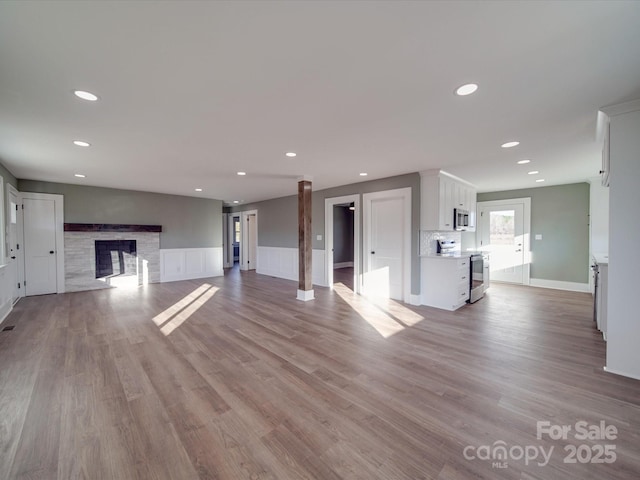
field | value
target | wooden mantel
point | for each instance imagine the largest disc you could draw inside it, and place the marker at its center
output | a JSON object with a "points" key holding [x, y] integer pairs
{"points": [[110, 227]]}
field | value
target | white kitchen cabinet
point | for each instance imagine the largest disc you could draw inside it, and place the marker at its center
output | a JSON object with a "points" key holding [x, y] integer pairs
{"points": [[445, 281], [441, 193]]}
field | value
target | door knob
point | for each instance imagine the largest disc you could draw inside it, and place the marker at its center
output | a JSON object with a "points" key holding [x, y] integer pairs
{"points": [[373, 253], [51, 252], [13, 258], [519, 250]]}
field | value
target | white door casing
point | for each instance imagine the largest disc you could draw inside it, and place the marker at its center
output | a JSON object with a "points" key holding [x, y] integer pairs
{"points": [[43, 230], [510, 257], [329, 203], [225, 240], [387, 244], [232, 237], [13, 222]]}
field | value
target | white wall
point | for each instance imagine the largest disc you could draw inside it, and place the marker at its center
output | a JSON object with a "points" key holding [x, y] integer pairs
{"points": [[599, 215], [623, 329]]}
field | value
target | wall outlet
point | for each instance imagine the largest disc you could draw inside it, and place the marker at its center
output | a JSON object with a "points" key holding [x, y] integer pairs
{"points": [[538, 236], [318, 237]]}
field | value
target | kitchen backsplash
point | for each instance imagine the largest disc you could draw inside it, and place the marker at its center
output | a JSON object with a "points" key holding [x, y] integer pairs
{"points": [[429, 239]]}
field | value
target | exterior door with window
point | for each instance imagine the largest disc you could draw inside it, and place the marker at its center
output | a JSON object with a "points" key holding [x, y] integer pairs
{"points": [[501, 233]]}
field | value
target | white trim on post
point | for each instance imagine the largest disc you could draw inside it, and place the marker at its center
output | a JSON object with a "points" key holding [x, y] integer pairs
{"points": [[329, 203], [305, 295]]}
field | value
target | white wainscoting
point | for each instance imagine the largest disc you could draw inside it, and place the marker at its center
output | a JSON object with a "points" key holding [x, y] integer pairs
{"points": [[283, 263], [559, 285], [188, 263], [6, 288]]}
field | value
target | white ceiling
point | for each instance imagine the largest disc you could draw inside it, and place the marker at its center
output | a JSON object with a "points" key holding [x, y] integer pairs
{"points": [[192, 92]]}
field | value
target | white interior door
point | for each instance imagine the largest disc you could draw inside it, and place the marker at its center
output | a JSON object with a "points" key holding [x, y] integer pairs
{"points": [[40, 259], [13, 252], [502, 234], [387, 217]]}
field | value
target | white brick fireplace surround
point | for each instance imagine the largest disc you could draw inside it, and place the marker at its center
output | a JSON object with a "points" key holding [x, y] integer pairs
{"points": [[80, 257]]}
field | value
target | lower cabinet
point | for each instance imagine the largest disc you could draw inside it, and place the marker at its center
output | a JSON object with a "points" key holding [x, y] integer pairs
{"points": [[445, 281], [601, 293]]}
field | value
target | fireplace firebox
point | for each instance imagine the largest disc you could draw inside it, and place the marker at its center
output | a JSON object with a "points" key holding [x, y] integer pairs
{"points": [[115, 257]]}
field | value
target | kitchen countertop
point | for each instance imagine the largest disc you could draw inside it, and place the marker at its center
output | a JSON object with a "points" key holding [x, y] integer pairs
{"points": [[601, 258], [454, 256]]}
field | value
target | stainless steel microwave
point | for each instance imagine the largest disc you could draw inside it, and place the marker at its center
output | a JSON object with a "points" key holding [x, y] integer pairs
{"points": [[460, 219]]}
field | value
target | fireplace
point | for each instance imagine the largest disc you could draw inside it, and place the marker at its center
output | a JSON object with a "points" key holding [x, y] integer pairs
{"points": [[102, 255], [116, 257]]}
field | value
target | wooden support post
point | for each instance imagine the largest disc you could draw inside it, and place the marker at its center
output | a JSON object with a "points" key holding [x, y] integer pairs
{"points": [[305, 283]]}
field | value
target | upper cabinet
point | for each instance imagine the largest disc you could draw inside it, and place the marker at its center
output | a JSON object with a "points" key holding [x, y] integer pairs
{"points": [[603, 133], [441, 194]]}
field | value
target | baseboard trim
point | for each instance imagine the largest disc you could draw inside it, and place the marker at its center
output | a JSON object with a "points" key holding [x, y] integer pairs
{"points": [[559, 285], [622, 374], [6, 311]]}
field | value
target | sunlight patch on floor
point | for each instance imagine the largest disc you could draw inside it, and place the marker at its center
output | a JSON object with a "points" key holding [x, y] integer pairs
{"points": [[179, 312], [384, 324]]}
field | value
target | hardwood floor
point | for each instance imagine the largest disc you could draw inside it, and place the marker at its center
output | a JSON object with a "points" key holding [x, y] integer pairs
{"points": [[344, 276], [232, 378]]}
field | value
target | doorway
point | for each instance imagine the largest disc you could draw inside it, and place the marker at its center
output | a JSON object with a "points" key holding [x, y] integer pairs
{"points": [[342, 237], [504, 232], [234, 239], [387, 244], [250, 243], [249, 240]]}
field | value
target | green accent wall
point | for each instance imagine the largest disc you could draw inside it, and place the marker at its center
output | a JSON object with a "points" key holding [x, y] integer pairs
{"points": [[278, 218], [187, 222], [561, 215]]}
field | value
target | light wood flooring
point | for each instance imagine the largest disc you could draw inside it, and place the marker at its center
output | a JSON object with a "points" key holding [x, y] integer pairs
{"points": [[232, 378]]}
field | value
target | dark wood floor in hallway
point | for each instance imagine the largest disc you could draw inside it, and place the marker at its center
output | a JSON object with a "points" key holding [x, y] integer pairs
{"points": [[232, 378]]}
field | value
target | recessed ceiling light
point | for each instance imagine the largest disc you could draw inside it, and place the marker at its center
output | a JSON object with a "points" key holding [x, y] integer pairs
{"points": [[533, 172], [80, 143], [85, 95], [236, 201], [522, 162], [467, 89], [242, 173], [363, 174], [79, 175], [510, 144], [290, 154], [540, 180], [198, 189]]}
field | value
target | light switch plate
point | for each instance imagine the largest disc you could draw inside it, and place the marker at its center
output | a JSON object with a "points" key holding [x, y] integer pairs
{"points": [[538, 236]]}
